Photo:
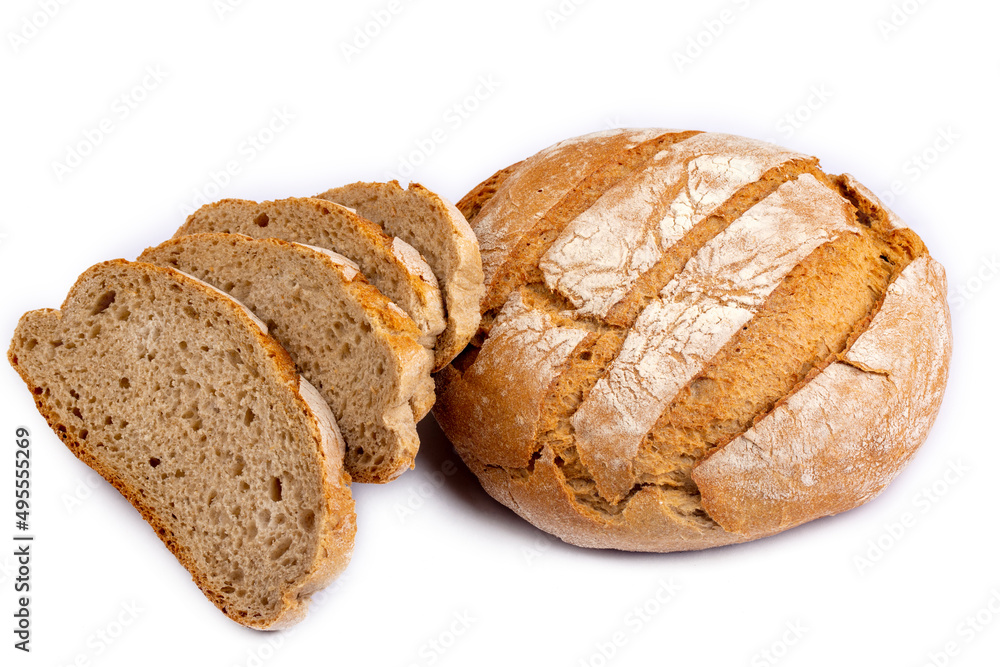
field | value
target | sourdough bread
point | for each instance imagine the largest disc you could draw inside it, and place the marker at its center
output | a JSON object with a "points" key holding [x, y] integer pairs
{"points": [[473, 202], [390, 264], [692, 339], [174, 393], [357, 348], [441, 234]]}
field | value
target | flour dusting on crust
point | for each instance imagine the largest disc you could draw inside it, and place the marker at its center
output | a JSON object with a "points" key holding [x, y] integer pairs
{"points": [[846, 434], [524, 354], [695, 316], [600, 256], [525, 198]]}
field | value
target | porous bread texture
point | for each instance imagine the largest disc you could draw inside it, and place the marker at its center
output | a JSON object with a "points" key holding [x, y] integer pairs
{"points": [[690, 340], [437, 229], [172, 392], [355, 346], [390, 264]]}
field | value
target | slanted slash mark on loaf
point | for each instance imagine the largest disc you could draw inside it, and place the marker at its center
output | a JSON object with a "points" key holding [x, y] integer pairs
{"points": [[526, 351], [845, 283], [648, 285], [582, 371], [719, 291], [791, 460], [645, 224], [580, 480], [532, 237], [811, 318]]}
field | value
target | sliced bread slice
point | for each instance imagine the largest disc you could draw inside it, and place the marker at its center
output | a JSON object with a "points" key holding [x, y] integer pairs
{"points": [[441, 234], [173, 392], [392, 265], [354, 345]]}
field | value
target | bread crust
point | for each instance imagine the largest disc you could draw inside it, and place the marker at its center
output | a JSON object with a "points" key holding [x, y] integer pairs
{"points": [[393, 328], [388, 263], [844, 436], [449, 246], [491, 400], [470, 205], [337, 526]]}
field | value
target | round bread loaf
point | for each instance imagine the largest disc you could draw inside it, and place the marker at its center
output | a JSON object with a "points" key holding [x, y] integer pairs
{"points": [[690, 340]]}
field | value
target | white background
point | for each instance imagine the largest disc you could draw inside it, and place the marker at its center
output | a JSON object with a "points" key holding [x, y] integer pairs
{"points": [[856, 588]]}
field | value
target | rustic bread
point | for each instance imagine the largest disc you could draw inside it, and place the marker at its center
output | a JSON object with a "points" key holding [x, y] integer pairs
{"points": [[348, 340], [439, 231], [691, 340], [470, 205], [172, 391], [390, 264]]}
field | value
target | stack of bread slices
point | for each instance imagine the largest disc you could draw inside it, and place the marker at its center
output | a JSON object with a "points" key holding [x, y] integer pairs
{"points": [[232, 381]]}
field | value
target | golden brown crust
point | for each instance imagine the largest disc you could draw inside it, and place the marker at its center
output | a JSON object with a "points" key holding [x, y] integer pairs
{"points": [[388, 263], [494, 400], [338, 526], [389, 324], [435, 228], [553, 188], [842, 437], [473, 202]]}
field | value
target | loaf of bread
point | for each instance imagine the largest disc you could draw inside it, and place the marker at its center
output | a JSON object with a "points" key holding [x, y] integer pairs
{"points": [[357, 348], [691, 339], [175, 394]]}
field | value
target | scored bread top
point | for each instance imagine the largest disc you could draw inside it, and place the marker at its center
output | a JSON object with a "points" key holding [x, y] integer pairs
{"points": [[716, 294], [790, 466], [653, 294], [437, 229], [354, 345], [394, 267], [171, 391]]}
